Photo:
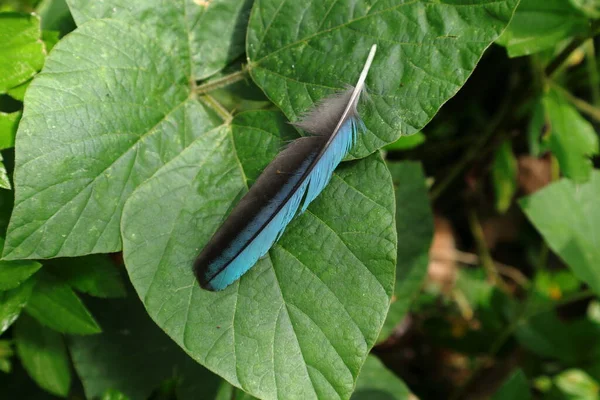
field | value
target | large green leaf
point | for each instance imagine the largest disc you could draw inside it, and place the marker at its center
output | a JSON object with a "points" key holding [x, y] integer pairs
{"points": [[541, 24], [217, 28], [301, 51], [132, 355], [44, 355], [55, 305], [21, 49], [376, 382], [414, 224], [300, 323], [572, 139], [12, 303], [567, 216], [98, 121]]}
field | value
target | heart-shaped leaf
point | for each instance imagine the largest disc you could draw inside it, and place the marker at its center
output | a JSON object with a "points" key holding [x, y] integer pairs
{"points": [[301, 51], [111, 106], [216, 29], [304, 318]]}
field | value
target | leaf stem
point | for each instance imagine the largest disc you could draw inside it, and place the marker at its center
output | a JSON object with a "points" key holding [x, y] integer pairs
{"points": [[217, 107], [559, 60], [222, 81], [582, 105], [484, 253]]}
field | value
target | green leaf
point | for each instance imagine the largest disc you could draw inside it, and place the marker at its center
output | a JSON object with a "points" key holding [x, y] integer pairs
{"points": [[55, 305], [8, 128], [4, 179], [572, 139], [541, 24], [83, 180], [217, 28], [504, 175], [112, 394], [575, 384], [574, 342], [537, 130], [566, 215], [6, 352], [55, 16], [132, 355], [12, 303], [44, 355], [406, 142], [516, 387], [426, 51], [21, 50], [303, 319], [376, 382], [96, 275], [18, 93], [590, 8], [13, 273], [414, 224]]}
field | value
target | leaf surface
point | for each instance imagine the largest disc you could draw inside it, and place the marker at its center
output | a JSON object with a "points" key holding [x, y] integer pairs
{"points": [[302, 51], [299, 323], [567, 216]]}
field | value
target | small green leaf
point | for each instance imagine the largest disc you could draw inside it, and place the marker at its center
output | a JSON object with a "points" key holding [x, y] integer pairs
{"points": [[541, 24], [566, 215], [55, 305], [572, 139], [217, 28], [537, 130], [44, 355], [13, 273], [575, 384], [406, 142], [504, 175], [95, 275], [414, 224], [426, 51], [4, 179], [305, 316], [8, 129], [133, 356], [12, 303], [112, 394], [515, 388], [6, 352], [376, 382], [21, 50]]}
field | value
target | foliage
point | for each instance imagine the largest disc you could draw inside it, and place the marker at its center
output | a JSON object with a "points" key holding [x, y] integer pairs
{"points": [[457, 243]]}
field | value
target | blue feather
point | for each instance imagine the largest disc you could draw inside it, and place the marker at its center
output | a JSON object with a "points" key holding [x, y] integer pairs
{"points": [[288, 185]]}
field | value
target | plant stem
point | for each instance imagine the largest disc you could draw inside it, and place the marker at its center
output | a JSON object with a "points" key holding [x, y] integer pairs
{"points": [[582, 105], [559, 60], [484, 253], [217, 107], [222, 82], [592, 67], [473, 152]]}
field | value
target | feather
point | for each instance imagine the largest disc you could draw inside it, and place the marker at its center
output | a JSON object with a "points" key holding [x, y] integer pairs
{"points": [[289, 183]]}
